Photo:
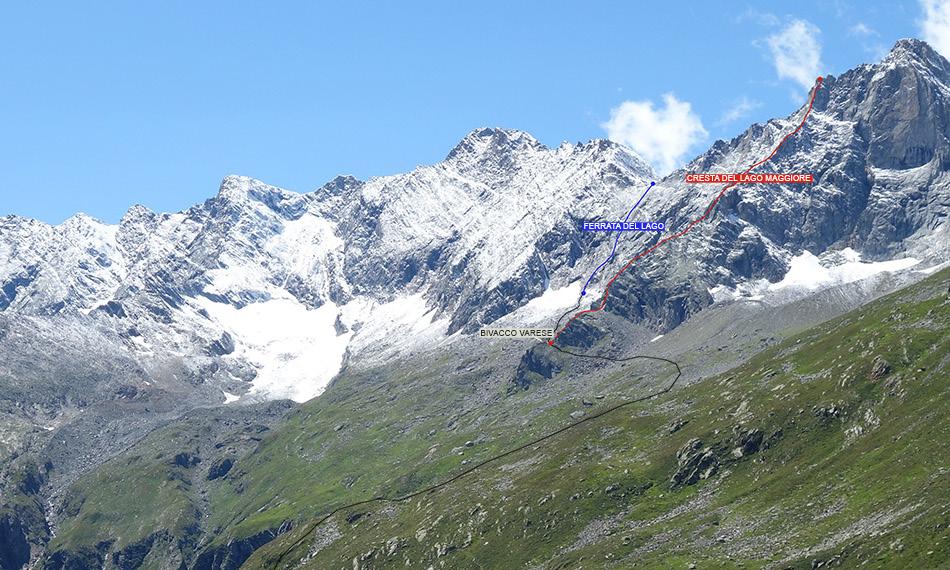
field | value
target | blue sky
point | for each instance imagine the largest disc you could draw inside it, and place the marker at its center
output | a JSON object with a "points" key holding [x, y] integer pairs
{"points": [[104, 105]]}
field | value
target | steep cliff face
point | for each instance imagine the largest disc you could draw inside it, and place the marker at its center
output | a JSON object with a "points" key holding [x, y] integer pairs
{"points": [[876, 143]]}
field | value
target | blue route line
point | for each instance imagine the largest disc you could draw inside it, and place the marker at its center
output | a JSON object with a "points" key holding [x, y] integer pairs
{"points": [[617, 239]]}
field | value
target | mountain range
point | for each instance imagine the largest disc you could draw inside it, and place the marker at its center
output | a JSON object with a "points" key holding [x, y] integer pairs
{"points": [[111, 332]]}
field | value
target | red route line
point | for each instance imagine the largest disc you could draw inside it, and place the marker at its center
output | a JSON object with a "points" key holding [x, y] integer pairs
{"points": [[709, 209]]}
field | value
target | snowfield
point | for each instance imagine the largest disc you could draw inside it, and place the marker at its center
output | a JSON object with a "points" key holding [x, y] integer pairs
{"points": [[808, 273], [295, 350]]}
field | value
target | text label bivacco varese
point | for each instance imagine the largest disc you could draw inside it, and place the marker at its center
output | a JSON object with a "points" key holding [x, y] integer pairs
{"points": [[517, 333]]}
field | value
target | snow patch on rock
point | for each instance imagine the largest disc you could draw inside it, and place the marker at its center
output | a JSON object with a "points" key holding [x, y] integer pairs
{"points": [[808, 273], [384, 330], [295, 350]]}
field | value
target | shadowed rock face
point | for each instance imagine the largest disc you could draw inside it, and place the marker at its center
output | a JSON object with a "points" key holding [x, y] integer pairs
{"points": [[14, 545], [535, 365], [661, 306], [899, 105]]}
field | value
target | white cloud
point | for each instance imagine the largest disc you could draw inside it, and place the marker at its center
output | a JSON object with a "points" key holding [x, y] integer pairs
{"points": [[870, 40], [761, 18], [862, 30], [796, 52], [662, 135], [740, 109], [935, 26]]}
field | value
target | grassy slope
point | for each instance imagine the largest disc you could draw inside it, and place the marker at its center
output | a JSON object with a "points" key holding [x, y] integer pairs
{"points": [[851, 470], [157, 491], [331, 451], [130, 497]]}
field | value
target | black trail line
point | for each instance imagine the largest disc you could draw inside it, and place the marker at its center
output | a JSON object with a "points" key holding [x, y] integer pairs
{"points": [[313, 526]]}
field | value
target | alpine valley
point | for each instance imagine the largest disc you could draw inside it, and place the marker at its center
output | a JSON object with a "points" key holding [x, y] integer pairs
{"points": [[200, 389]]}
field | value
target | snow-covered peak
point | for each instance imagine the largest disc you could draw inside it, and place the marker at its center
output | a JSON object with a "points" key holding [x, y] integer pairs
{"points": [[85, 226], [491, 147], [13, 222], [339, 186], [493, 140], [606, 151], [236, 188], [913, 51], [137, 212]]}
